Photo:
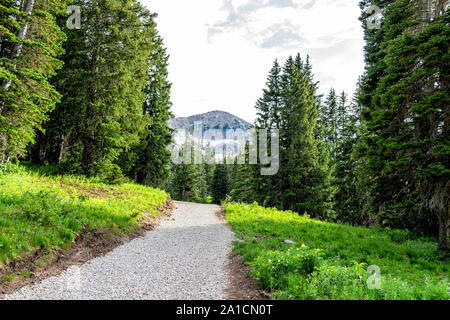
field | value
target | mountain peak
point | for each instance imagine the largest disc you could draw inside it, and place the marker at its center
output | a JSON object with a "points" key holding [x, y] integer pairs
{"points": [[216, 119]]}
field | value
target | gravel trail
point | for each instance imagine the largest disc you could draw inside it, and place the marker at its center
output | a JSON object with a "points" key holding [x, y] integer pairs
{"points": [[184, 258]]}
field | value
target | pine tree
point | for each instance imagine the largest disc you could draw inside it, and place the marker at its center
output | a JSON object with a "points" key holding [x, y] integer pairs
{"points": [[306, 172], [329, 118], [30, 42], [209, 162], [153, 157], [403, 149], [341, 115], [105, 72], [347, 199], [269, 109], [269, 106], [220, 183], [185, 183], [245, 179], [290, 104], [202, 183]]}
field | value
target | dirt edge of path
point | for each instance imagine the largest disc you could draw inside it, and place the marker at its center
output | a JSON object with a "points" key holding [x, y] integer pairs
{"points": [[88, 245], [241, 286]]}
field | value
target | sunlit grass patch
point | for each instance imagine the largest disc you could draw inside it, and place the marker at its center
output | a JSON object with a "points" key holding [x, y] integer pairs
{"points": [[39, 211]]}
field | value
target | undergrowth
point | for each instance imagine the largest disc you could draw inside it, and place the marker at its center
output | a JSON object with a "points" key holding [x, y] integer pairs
{"points": [[330, 261]]}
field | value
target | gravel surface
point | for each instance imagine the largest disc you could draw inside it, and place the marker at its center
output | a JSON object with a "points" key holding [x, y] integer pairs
{"points": [[184, 258]]}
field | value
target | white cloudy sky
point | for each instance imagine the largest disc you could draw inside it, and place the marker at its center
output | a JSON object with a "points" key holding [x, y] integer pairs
{"points": [[221, 50]]}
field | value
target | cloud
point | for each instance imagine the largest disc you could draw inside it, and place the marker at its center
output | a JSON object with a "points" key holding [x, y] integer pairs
{"points": [[222, 50], [309, 5], [281, 36], [244, 14]]}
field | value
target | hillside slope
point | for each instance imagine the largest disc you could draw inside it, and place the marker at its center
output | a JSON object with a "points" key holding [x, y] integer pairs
{"points": [[45, 213]]}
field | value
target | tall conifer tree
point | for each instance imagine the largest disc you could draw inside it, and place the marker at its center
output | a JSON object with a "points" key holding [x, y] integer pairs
{"points": [[153, 156], [405, 113], [30, 43], [102, 82]]}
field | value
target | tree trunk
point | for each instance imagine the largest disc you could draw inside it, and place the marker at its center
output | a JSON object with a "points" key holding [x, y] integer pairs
{"points": [[88, 154], [444, 229], [62, 148], [3, 141]]}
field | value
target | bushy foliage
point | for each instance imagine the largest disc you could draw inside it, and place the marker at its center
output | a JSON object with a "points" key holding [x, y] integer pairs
{"points": [[9, 167], [271, 265]]}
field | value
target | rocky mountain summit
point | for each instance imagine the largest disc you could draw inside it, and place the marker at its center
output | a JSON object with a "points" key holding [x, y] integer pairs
{"points": [[210, 120], [215, 120]]}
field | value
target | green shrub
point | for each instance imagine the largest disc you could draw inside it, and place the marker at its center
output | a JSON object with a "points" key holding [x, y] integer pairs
{"points": [[399, 235], [328, 282], [8, 168], [337, 282], [397, 289], [269, 267]]}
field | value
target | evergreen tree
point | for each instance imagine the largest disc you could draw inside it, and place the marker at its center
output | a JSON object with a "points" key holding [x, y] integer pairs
{"points": [[269, 109], [30, 42], [290, 104], [220, 183], [307, 190], [347, 199], [269, 106], [185, 183], [153, 157], [342, 116], [202, 183], [405, 113], [209, 167], [245, 178], [105, 72], [329, 119]]}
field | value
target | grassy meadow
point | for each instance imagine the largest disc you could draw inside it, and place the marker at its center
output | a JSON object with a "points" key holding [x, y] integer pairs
{"points": [[45, 211], [296, 257]]}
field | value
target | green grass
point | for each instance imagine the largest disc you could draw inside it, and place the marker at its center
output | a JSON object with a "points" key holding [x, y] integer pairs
{"points": [[44, 211], [329, 261]]}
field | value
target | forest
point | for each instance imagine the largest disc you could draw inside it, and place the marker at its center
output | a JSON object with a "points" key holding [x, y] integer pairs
{"points": [[375, 157], [94, 101]]}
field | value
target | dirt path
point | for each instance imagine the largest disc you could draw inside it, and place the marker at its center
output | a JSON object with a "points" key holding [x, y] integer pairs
{"points": [[186, 257]]}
